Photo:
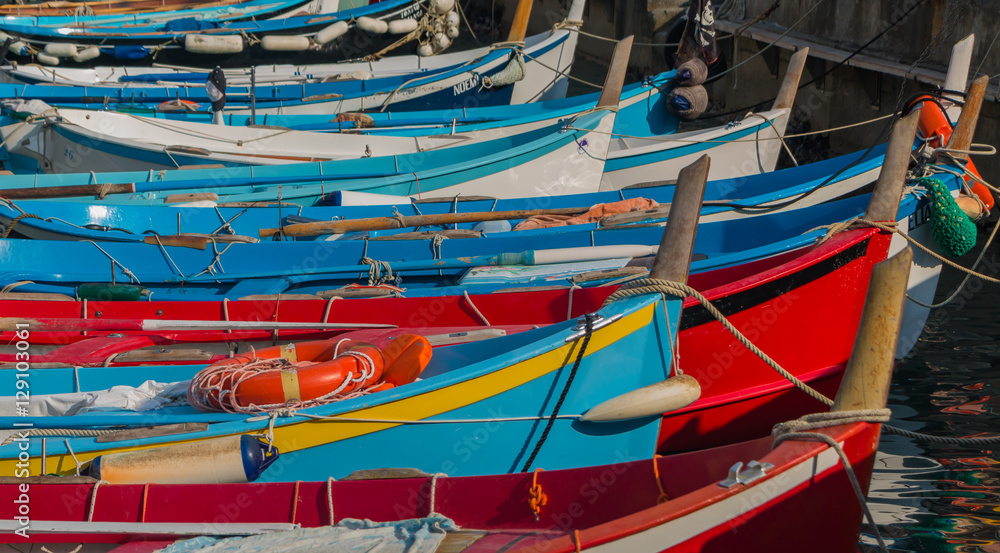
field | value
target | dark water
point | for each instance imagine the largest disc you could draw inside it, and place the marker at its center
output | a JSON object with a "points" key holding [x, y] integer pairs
{"points": [[937, 498]]}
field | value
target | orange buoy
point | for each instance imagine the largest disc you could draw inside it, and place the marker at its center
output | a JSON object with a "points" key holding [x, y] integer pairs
{"points": [[936, 129], [307, 373]]}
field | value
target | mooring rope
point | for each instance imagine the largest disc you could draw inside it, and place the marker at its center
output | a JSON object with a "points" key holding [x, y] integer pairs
{"points": [[10, 227], [71, 432], [679, 289], [805, 429]]}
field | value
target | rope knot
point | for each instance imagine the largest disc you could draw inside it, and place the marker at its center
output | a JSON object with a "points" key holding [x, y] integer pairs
{"points": [[379, 272]]}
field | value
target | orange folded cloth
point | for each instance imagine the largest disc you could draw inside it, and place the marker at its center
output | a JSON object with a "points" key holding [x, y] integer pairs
{"points": [[592, 215]]}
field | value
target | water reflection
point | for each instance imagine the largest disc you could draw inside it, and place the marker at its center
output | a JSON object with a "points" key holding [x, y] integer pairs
{"points": [[937, 497]]}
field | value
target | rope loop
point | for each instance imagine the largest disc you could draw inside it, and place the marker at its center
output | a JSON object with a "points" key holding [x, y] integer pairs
{"points": [[538, 498], [805, 429], [663, 497]]}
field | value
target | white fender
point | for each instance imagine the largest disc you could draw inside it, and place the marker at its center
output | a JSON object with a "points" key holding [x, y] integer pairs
{"points": [[372, 25], [649, 401], [402, 26], [452, 32], [442, 6], [349, 197], [274, 43], [60, 49], [451, 19], [331, 32], [20, 48], [87, 54], [47, 59], [441, 41], [213, 44], [218, 460], [425, 50]]}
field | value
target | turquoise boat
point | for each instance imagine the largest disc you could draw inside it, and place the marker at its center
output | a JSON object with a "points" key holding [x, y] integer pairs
{"points": [[480, 408]]}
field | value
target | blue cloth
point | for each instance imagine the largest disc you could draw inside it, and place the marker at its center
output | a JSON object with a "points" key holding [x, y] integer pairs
{"points": [[419, 535], [188, 24], [122, 52]]}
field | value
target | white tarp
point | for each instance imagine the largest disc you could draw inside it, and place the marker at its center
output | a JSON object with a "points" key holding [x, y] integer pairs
{"points": [[147, 396], [422, 535]]}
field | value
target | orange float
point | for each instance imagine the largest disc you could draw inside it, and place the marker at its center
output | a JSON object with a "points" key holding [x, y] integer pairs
{"points": [[935, 127], [307, 373], [178, 105]]}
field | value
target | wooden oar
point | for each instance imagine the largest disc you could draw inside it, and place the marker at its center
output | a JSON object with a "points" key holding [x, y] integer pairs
{"points": [[194, 242], [528, 257], [884, 203], [519, 26], [387, 223], [59, 324], [74, 190], [67, 191]]}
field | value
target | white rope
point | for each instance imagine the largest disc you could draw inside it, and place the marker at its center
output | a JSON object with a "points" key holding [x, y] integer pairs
{"points": [[422, 421], [216, 259], [73, 455], [124, 269], [93, 496], [465, 293], [433, 499], [329, 498], [737, 141]]}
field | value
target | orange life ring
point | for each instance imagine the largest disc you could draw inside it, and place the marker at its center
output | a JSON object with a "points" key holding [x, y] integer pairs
{"points": [[936, 129], [316, 370]]}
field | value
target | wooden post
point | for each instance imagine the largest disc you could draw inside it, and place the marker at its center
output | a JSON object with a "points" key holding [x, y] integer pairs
{"points": [[793, 74], [889, 188], [519, 26], [961, 137], [958, 72], [615, 79], [869, 371], [673, 260]]}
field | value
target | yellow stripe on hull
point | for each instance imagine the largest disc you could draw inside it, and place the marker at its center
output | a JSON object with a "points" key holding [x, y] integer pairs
{"points": [[307, 434]]}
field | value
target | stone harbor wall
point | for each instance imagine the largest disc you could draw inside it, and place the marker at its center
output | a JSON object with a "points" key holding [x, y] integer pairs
{"points": [[912, 51]]}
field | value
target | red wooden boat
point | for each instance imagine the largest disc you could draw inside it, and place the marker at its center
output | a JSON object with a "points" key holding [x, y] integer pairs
{"points": [[702, 500], [701, 515]]}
